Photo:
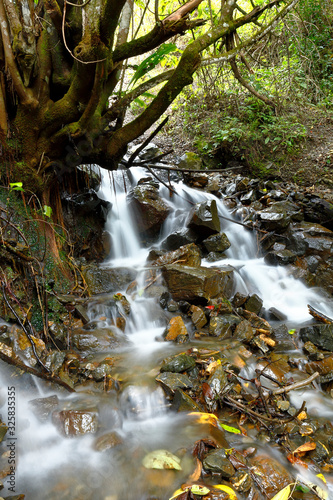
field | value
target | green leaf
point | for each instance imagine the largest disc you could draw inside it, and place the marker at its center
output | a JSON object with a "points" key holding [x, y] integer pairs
{"points": [[230, 429], [161, 459], [153, 60], [16, 186], [196, 489], [47, 211], [291, 332]]}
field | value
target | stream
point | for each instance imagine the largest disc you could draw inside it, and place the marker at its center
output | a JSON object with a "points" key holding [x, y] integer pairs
{"points": [[136, 411]]}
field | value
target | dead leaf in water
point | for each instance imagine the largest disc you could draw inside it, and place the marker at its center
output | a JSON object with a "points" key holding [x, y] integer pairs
{"points": [[283, 494], [310, 445], [161, 459]]}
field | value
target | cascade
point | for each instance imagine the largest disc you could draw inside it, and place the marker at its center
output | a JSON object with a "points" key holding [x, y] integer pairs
{"points": [[50, 466]]}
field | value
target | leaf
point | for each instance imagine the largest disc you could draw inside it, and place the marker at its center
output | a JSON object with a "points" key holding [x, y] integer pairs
{"points": [[47, 211], [204, 418], [310, 445], [230, 429], [227, 489], [161, 459], [319, 491], [291, 332], [176, 494], [283, 494], [196, 489], [16, 186], [153, 60]]}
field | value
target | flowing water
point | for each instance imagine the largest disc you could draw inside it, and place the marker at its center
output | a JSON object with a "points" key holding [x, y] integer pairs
{"points": [[53, 467]]}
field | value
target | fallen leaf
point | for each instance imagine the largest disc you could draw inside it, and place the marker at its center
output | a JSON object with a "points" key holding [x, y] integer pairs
{"points": [[230, 429], [302, 416], [197, 471], [196, 489], [161, 459], [295, 460], [227, 489], [310, 445], [283, 494], [205, 418]]}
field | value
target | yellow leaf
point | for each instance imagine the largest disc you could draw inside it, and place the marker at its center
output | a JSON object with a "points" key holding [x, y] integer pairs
{"points": [[204, 418], [302, 416], [177, 493], [283, 494], [322, 478], [227, 489], [310, 445], [196, 489], [161, 459]]}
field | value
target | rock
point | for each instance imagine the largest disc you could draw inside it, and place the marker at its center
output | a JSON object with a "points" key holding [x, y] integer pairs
{"points": [[323, 367], [281, 257], [278, 216], [183, 402], [217, 243], [198, 316], [44, 407], [189, 255], [75, 422], [178, 363], [244, 331], [190, 161], [54, 360], [150, 152], [274, 314], [253, 304], [148, 209], [170, 382], [175, 327], [319, 210], [3, 432], [221, 326], [108, 441], [179, 238], [271, 476], [203, 219], [320, 335], [198, 285], [256, 321], [217, 381], [96, 340], [103, 280], [216, 461]]}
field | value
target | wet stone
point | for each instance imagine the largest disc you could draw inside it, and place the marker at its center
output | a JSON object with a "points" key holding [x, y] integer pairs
{"points": [[44, 407], [189, 255], [75, 422], [217, 462], [198, 316], [183, 402], [108, 441], [203, 219], [217, 243], [177, 364], [321, 335], [179, 238], [217, 381], [170, 382], [244, 331], [253, 304], [271, 476], [175, 327], [280, 257]]}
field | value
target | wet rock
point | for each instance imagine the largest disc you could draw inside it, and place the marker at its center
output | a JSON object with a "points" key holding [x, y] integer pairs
{"points": [[216, 461], [313, 352], [178, 363], [190, 161], [198, 285], [217, 381], [270, 475], [244, 331], [108, 441], [241, 481], [275, 314], [189, 255], [179, 238], [44, 407], [148, 209], [150, 152], [320, 335], [75, 422], [175, 327], [215, 256], [122, 303], [217, 243], [170, 382], [102, 280], [280, 257], [96, 340], [256, 321], [183, 402], [253, 304], [203, 219], [319, 210], [198, 317], [54, 360], [239, 299], [278, 216], [221, 326], [324, 367]]}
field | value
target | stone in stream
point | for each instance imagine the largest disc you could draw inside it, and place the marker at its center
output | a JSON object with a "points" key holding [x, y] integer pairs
{"points": [[170, 382], [44, 407], [198, 316], [270, 475], [175, 328], [103, 280], [217, 243], [203, 219], [244, 331], [96, 340], [324, 367], [178, 363], [253, 304], [108, 441], [187, 255], [190, 161], [199, 284], [320, 335], [75, 422], [280, 257], [148, 208], [184, 402], [216, 461], [179, 238]]}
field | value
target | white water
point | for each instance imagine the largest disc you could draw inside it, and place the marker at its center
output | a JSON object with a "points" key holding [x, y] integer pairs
{"points": [[53, 467]]}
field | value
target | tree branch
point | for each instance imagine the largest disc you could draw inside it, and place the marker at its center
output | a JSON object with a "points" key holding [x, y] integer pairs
{"points": [[183, 11]]}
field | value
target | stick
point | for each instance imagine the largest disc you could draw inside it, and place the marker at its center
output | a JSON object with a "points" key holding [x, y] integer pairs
{"points": [[297, 385], [147, 141], [46, 376]]}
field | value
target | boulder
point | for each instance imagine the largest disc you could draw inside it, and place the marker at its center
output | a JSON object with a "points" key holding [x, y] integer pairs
{"points": [[203, 219], [198, 284], [178, 363], [170, 382], [175, 327], [278, 216], [103, 280], [198, 316], [217, 461], [179, 238], [217, 243], [253, 304], [320, 335], [148, 209], [189, 255], [190, 161]]}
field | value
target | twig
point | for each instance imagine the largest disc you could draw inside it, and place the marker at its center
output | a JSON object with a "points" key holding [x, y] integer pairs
{"points": [[46, 376], [146, 142], [297, 385]]}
